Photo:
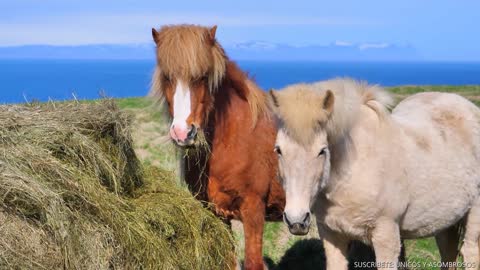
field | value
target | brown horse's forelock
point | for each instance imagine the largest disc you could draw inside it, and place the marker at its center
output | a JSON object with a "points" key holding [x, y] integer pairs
{"points": [[187, 52]]}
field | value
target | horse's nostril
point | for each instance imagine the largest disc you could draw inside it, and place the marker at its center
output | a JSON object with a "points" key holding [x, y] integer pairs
{"points": [[192, 133]]}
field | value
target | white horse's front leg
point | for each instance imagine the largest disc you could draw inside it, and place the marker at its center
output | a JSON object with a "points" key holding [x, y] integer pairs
{"points": [[386, 243], [336, 254], [336, 249]]}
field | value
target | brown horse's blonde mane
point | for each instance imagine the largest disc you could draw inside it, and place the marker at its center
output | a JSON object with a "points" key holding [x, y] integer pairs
{"points": [[248, 90], [187, 52], [300, 111], [257, 99]]}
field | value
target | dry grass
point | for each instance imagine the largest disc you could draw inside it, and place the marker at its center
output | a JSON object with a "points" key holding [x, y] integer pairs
{"points": [[73, 195]]}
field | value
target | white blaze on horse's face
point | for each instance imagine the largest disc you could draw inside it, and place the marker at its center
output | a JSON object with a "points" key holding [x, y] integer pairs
{"points": [[304, 170], [180, 131]]}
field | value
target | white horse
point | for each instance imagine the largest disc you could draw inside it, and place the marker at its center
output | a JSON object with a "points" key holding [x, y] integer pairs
{"points": [[375, 176]]}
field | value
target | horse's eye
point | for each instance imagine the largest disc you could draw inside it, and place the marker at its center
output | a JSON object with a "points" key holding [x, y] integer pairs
{"points": [[202, 79], [166, 78], [277, 150], [322, 152]]}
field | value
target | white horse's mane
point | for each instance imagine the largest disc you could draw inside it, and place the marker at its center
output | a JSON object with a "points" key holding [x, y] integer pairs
{"points": [[300, 111]]}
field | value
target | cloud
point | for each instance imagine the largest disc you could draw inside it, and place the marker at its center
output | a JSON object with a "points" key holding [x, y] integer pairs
{"points": [[132, 28], [366, 46], [343, 43]]}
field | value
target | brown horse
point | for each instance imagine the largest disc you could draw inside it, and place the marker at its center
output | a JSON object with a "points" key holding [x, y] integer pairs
{"points": [[211, 100]]}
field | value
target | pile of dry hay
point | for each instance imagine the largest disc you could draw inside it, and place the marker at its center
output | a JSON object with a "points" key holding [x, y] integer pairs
{"points": [[73, 195]]}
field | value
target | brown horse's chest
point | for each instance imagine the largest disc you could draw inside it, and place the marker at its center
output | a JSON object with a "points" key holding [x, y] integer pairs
{"points": [[218, 181]]}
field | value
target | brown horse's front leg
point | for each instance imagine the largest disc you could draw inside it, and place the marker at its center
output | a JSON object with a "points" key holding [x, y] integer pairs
{"points": [[223, 203], [252, 211]]}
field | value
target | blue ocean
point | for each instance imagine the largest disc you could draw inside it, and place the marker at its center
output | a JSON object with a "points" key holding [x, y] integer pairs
{"points": [[22, 80]]}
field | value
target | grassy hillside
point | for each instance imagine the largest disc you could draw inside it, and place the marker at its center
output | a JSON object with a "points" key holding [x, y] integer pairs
{"points": [[149, 142], [471, 92]]}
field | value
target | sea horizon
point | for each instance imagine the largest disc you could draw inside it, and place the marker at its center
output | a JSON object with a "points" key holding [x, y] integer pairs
{"points": [[63, 79]]}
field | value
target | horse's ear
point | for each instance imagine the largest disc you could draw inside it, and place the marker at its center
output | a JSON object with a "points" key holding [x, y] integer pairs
{"points": [[328, 102], [155, 36], [211, 33]]}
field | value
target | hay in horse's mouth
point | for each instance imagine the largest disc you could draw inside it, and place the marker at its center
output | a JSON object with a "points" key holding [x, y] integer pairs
{"points": [[201, 144]]}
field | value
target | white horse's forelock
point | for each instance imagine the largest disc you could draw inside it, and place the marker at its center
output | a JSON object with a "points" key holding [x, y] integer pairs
{"points": [[299, 110]]}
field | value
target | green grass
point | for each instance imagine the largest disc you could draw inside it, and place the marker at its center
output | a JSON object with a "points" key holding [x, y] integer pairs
{"points": [[471, 92], [271, 236], [147, 105], [420, 251], [412, 89], [134, 103]]}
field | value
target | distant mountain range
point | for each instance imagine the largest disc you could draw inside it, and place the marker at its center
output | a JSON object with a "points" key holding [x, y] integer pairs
{"points": [[252, 50], [338, 51]]}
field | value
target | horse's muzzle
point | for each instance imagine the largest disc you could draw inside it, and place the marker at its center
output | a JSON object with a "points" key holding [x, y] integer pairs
{"points": [[298, 228], [184, 138]]}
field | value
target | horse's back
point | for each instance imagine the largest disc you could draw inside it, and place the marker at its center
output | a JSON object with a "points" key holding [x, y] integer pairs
{"points": [[426, 101], [441, 136], [445, 118]]}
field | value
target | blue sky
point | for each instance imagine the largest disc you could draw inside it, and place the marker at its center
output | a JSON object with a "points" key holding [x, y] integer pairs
{"points": [[437, 29]]}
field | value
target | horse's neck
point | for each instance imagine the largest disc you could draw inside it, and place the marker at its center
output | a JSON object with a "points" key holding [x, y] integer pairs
{"points": [[345, 152], [340, 158], [231, 109]]}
